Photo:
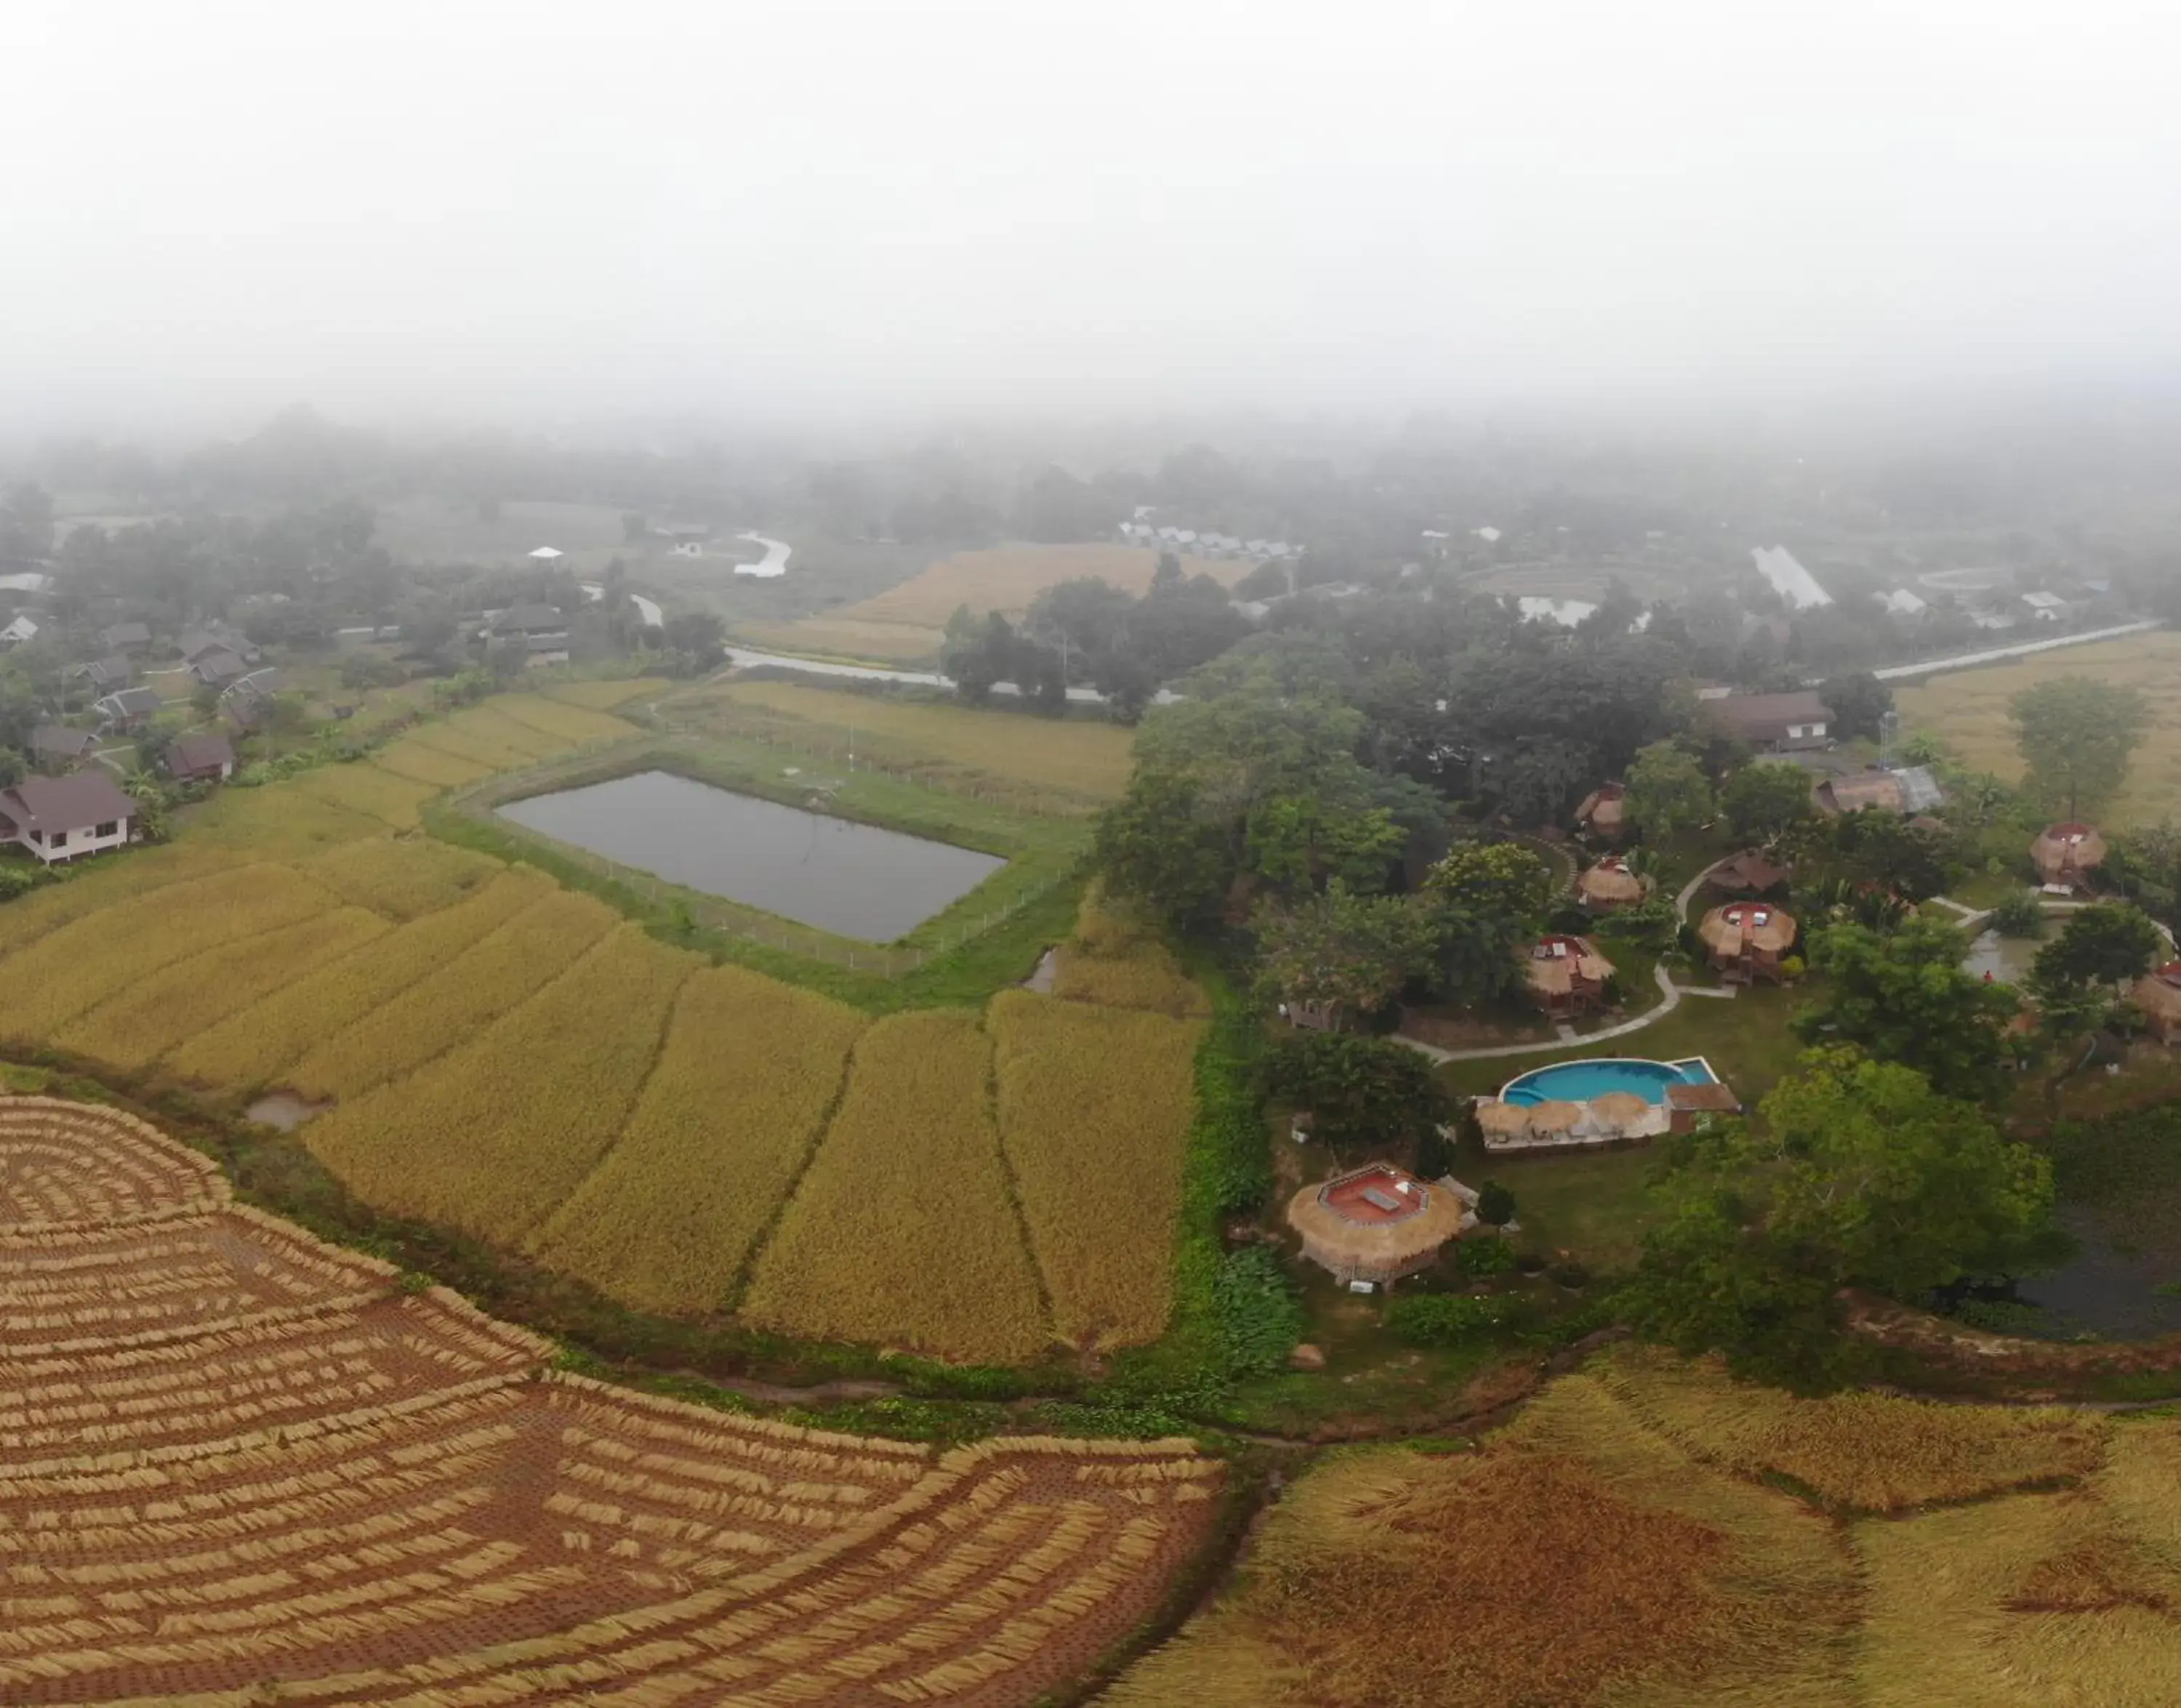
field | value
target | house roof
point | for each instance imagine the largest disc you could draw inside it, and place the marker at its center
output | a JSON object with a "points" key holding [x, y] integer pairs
{"points": [[544, 554], [127, 635], [216, 665], [211, 638], [1748, 870], [1793, 583], [58, 738], [1610, 880], [1557, 962], [115, 668], [529, 620], [1766, 717], [1748, 925], [1341, 1224], [21, 628], [1852, 793], [199, 752], [129, 702], [65, 803], [2043, 602], [2059, 847]]}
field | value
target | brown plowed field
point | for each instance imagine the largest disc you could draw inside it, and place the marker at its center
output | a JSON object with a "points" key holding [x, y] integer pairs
{"points": [[237, 1465]]}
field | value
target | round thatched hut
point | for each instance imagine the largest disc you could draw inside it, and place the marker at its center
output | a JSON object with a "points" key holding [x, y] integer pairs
{"points": [[1567, 976], [1609, 885], [1747, 939], [2157, 998], [2065, 854], [1603, 812], [1375, 1224]]}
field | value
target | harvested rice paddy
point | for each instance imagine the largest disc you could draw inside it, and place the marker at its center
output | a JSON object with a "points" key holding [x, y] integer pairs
{"points": [[1648, 1532], [237, 1464]]}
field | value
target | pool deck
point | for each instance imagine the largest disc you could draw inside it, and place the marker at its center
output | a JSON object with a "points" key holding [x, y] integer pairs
{"points": [[1591, 1130]]}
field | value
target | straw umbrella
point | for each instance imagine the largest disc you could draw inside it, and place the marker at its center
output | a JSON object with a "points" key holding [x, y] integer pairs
{"points": [[1619, 1109], [1555, 1116], [1507, 1122]]}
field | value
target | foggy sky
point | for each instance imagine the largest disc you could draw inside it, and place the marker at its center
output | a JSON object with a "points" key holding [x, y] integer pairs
{"points": [[807, 207]]}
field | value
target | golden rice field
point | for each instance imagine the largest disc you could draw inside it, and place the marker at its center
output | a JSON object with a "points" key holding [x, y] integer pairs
{"points": [[902, 1229], [1648, 1533], [905, 623], [604, 697], [238, 1465], [1118, 962], [1069, 765], [727, 1120], [1088, 1100], [1967, 711], [515, 1060]]}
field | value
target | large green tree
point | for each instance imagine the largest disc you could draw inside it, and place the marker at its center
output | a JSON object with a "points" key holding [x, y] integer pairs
{"points": [[2107, 943], [1339, 948], [2076, 734], [1902, 996], [1488, 900], [1762, 800], [1364, 1095], [1249, 779], [1857, 1174], [1667, 790]]}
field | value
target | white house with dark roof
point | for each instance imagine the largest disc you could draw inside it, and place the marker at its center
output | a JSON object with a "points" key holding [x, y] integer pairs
{"points": [[63, 818], [128, 710]]}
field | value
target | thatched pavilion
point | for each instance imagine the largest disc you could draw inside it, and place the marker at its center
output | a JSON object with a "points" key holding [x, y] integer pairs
{"points": [[1747, 939], [1602, 812], [1567, 975], [2157, 998], [1609, 885], [2065, 854], [1749, 873], [1374, 1224]]}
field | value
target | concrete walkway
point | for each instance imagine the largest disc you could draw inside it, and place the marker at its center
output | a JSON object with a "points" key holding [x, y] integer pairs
{"points": [[1669, 999]]}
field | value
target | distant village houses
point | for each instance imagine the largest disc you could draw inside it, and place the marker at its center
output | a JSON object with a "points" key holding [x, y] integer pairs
{"points": [[1774, 723]]}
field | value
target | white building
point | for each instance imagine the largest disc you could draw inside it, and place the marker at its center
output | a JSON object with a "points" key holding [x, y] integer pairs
{"points": [[1794, 584], [62, 819]]}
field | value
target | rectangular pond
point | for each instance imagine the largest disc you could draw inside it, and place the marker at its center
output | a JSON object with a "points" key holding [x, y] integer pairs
{"points": [[855, 881]]}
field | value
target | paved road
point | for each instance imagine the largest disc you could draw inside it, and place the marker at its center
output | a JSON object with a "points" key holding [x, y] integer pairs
{"points": [[746, 658], [1932, 667]]}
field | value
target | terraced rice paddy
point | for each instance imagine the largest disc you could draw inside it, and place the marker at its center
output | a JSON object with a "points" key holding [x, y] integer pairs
{"points": [[237, 1465], [1648, 1532], [515, 1060]]}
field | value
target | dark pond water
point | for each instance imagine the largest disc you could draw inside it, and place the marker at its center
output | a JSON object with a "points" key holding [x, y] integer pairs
{"points": [[852, 879]]}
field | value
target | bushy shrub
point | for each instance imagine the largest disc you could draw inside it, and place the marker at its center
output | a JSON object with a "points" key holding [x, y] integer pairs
{"points": [[2019, 915], [15, 880], [1445, 1319], [1259, 1313], [1483, 1254], [1495, 1204], [1651, 925]]}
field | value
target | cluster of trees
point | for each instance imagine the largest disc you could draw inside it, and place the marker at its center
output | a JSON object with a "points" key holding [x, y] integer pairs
{"points": [[1087, 630]]}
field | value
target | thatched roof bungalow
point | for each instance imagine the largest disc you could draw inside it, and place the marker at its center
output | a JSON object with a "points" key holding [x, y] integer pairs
{"points": [[1747, 874], [1374, 1224], [1609, 885], [1603, 812], [1747, 939], [1567, 975], [2157, 997], [2065, 854]]}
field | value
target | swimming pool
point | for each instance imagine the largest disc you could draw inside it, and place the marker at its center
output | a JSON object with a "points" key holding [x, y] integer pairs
{"points": [[1578, 1082]]}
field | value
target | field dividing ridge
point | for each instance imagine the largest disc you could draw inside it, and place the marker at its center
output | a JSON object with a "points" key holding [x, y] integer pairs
{"points": [[492, 1136], [725, 1122], [1094, 1104], [903, 1228]]}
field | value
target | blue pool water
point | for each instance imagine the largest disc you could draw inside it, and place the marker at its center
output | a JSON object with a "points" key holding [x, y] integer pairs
{"points": [[1578, 1082]]}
